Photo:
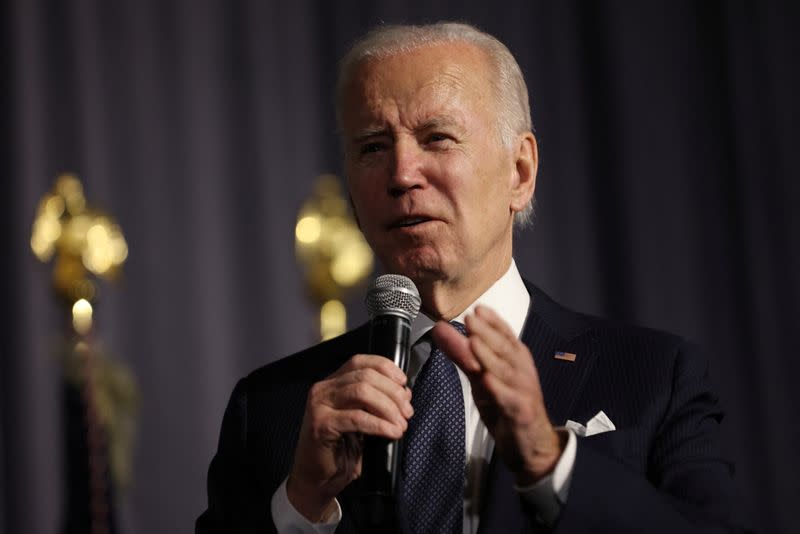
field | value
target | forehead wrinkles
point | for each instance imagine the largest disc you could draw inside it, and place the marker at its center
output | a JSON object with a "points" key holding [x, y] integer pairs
{"points": [[390, 91]]}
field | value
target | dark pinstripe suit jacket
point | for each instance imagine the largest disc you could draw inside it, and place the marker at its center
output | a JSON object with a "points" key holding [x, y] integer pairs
{"points": [[660, 471]]}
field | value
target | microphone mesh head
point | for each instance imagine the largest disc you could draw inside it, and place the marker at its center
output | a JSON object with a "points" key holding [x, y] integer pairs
{"points": [[393, 294]]}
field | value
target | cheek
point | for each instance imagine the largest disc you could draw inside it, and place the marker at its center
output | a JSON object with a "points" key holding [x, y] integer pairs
{"points": [[361, 196]]}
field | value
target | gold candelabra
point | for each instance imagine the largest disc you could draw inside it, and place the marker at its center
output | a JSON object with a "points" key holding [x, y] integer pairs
{"points": [[85, 243], [330, 246]]}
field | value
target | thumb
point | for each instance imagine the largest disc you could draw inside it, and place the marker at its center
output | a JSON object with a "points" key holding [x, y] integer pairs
{"points": [[455, 346]]}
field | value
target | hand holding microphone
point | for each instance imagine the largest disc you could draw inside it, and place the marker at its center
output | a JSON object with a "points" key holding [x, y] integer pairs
{"points": [[366, 396]]}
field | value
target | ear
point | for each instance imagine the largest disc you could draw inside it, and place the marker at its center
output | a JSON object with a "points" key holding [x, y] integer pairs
{"points": [[526, 166]]}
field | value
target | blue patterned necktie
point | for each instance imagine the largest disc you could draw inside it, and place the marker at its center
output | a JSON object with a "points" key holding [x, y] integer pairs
{"points": [[431, 496]]}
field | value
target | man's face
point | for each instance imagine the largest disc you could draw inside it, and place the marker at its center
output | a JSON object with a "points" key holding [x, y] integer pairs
{"points": [[432, 185]]}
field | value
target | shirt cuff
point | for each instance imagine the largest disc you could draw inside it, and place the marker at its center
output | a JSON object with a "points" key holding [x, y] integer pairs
{"points": [[549, 494], [289, 521]]}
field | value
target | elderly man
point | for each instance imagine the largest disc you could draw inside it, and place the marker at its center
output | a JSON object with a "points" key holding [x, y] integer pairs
{"points": [[441, 163]]}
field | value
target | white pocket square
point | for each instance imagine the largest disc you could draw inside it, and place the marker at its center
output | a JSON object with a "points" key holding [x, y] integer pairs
{"points": [[597, 425]]}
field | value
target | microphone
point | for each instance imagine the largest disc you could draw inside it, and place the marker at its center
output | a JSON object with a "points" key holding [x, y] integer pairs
{"points": [[392, 303]]}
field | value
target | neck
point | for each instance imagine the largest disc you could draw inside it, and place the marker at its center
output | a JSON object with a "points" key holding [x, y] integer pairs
{"points": [[447, 299]]}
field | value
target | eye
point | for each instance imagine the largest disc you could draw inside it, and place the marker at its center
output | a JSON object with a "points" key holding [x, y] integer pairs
{"points": [[371, 148], [438, 139]]}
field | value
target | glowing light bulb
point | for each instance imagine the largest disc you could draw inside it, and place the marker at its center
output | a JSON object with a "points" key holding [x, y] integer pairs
{"points": [[82, 316], [308, 229]]}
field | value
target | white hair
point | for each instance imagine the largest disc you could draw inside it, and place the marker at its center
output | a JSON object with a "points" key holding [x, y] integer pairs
{"points": [[513, 107]]}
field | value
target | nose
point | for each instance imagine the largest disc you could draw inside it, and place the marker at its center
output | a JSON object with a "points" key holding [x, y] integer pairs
{"points": [[406, 172]]}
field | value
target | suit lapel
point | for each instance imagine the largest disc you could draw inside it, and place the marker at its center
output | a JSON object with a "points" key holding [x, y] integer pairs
{"points": [[548, 328]]}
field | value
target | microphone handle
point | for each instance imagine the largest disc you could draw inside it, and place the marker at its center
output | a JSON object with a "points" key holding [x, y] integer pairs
{"points": [[389, 337]]}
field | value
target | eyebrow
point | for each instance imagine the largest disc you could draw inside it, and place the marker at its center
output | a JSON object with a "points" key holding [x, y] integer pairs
{"points": [[368, 133], [431, 124]]}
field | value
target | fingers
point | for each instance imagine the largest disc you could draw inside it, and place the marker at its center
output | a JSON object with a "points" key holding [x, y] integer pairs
{"points": [[456, 346], [499, 366], [495, 347], [385, 366], [359, 382], [380, 398], [366, 395], [356, 421], [491, 394]]}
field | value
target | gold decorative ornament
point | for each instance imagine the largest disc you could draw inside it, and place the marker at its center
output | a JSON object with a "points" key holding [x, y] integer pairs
{"points": [[82, 239], [335, 255], [85, 244]]}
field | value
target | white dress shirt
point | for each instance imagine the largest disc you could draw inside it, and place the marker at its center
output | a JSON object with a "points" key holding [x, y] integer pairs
{"points": [[511, 300]]}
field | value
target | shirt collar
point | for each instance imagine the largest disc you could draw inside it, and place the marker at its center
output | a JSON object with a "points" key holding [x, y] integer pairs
{"points": [[508, 296]]}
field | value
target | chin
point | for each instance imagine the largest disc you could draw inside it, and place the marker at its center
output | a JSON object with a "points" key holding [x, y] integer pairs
{"points": [[419, 265]]}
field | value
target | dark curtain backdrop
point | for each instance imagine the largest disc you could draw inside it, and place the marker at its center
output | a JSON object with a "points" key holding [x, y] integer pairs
{"points": [[667, 196]]}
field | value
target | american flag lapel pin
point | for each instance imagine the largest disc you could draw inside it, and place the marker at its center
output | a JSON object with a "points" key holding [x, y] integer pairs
{"points": [[566, 356]]}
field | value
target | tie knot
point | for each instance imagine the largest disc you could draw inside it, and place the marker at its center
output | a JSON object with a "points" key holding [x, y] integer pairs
{"points": [[460, 327]]}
